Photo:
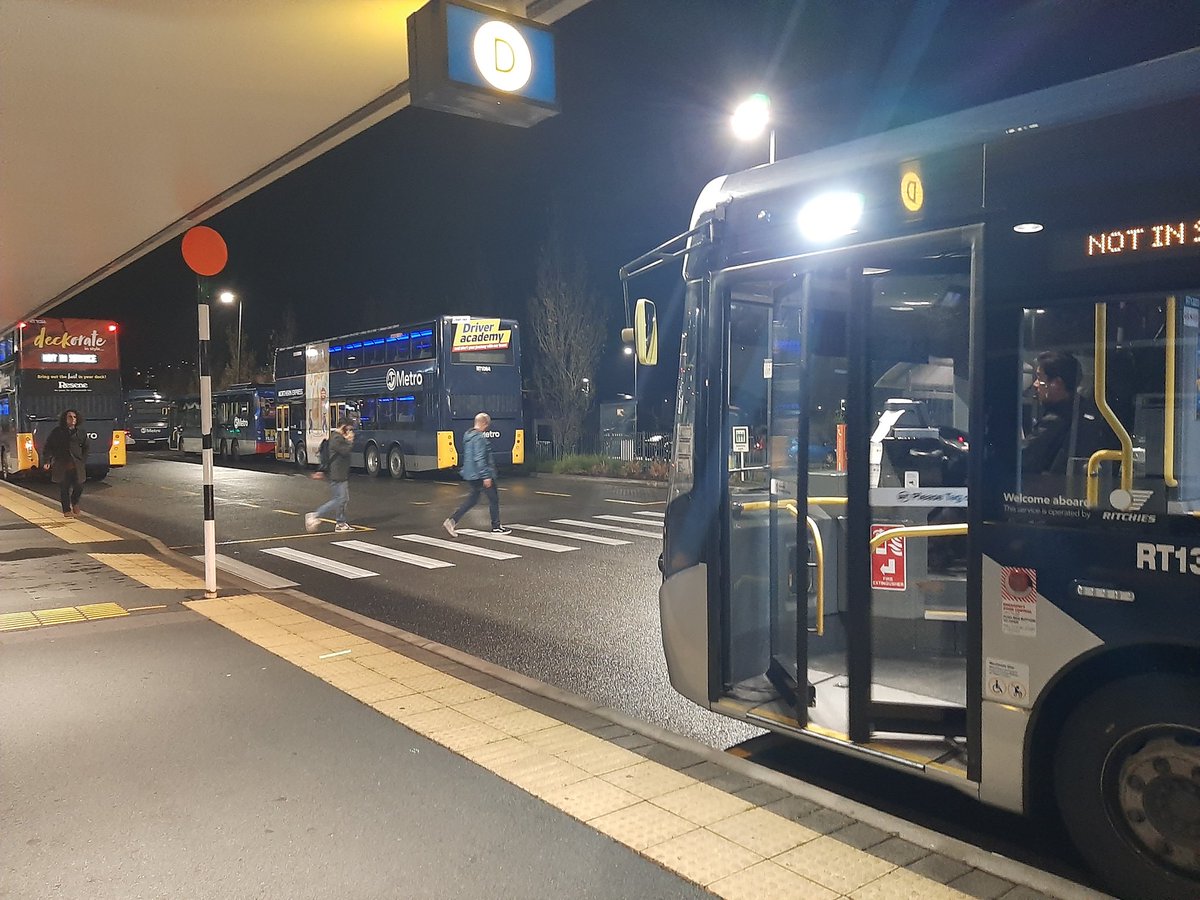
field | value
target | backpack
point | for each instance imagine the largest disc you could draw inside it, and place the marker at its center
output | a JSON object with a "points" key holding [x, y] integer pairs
{"points": [[323, 456]]}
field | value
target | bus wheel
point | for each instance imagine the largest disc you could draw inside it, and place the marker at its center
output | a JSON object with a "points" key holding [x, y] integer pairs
{"points": [[8, 476], [97, 474], [234, 452], [222, 449], [396, 467], [1127, 779], [300, 456], [371, 460]]}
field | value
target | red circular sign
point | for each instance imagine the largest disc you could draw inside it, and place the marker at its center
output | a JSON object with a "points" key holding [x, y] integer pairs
{"points": [[204, 250]]}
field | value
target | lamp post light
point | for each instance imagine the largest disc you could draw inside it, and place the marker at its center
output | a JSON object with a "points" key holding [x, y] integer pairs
{"points": [[231, 297], [751, 118]]}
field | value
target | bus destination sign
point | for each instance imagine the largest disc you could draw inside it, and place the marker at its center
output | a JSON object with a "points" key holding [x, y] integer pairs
{"points": [[480, 334], [1144, 239]]}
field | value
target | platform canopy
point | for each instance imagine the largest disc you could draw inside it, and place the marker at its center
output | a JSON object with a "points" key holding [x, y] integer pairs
{"points": [[125, 122]]}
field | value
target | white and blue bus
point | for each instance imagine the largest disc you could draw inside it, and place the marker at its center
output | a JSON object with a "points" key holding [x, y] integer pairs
{"points": [[147, 418], [412, 390], [994, 319]]}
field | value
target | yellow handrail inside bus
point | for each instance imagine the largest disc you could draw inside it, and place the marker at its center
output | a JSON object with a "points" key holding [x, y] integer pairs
{"points": [[818, 549], [1169, 404], [1125, 455], [930, 531]]}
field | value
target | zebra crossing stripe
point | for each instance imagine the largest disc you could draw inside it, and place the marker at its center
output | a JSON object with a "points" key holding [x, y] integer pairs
{"points": [[600, 526], [520, 541], [318, 562], [412, 559], [253, 574], [626, 519], [574, 535], [456, 546], [646, 512]]}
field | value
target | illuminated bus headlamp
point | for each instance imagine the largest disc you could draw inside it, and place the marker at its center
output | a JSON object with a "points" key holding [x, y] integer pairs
{"points": [[827, 217]]}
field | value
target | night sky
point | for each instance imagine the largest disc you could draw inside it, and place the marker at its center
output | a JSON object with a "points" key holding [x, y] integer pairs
{"points": [[428, 213]]}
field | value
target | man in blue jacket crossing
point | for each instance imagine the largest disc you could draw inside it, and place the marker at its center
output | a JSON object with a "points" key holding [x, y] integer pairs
{"points": [[479, 472]]}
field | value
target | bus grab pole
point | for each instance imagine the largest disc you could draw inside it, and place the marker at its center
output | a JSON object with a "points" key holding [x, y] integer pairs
{"points": [[206, 444]]}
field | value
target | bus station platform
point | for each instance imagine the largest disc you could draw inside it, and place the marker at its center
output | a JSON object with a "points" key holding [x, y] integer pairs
{"points": [[266, 744]]}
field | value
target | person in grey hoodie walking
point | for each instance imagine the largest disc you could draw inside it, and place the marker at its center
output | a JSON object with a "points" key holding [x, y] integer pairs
{"points": [[341, 440], [479, 472]]}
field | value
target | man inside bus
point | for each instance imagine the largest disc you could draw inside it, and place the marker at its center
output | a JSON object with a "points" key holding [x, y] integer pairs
{"points": [[1055, 382]]}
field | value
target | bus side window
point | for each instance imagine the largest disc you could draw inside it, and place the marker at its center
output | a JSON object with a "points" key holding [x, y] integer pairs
{"points": [[1098, 386]]}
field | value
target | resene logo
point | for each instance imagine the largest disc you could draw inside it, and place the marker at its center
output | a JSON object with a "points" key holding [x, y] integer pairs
{"points": [[400, 378]]}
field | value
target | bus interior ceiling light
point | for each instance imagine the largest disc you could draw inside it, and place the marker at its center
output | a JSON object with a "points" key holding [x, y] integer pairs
{"points": [[1028, 228], [830, 216]]}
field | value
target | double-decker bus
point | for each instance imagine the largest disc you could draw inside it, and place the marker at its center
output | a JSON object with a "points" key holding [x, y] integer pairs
{"points": [[994, 319], [243, 422], [146, 418], [413, 390], [50, 365]]}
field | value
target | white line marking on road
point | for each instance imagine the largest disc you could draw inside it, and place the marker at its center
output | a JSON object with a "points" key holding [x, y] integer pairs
{"points": [[650, 512], [629, 519], [420, 502], [424, 562], [319, 562], [551, 494], [143, 608], [454, 545], [333, 654], [519, 541], [229, 502], [286, 512], [602, 527], [261, 577], [634, 502], [574, 535]]}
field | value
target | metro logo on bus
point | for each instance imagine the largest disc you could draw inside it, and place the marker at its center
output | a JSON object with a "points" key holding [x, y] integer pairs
{"points": [[480, 334]]}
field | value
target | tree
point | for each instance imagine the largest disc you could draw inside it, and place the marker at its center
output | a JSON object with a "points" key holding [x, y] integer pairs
{"points": [[568, 329]]}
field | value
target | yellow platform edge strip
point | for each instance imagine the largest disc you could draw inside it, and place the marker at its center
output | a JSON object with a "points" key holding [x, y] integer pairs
{"points": [[73, 531], [702, 834]]}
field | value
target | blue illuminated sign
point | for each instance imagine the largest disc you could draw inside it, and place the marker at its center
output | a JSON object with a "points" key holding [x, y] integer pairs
{"points": [[494, 53]]}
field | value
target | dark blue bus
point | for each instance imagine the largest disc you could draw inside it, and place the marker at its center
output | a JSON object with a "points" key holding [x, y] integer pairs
{"points": [[413, 390], [243, 422], [147, 418]]}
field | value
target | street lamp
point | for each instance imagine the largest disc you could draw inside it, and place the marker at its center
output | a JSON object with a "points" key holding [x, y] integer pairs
{"points": [[751, 118], [231, 297]]}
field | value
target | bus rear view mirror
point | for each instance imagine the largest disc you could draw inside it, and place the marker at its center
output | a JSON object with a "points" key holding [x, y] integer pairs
{"points": [[645, 333]]}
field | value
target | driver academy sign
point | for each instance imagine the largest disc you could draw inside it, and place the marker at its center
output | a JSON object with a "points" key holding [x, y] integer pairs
{"points": [[480, 334]]}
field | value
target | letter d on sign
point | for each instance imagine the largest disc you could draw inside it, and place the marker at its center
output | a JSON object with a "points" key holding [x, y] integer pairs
{"points": [[506, 57]]}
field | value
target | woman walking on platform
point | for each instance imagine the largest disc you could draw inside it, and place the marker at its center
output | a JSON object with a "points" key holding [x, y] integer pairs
{"points": [[65, 455]]}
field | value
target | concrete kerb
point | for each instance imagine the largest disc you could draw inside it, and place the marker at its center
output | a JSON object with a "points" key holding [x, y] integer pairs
{"points": [[992, 863]]}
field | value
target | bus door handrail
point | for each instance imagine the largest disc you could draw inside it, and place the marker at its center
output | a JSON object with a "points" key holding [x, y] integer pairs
{"points": [[1169, 386], [818, 549], [916, 531], [1125, 454]]}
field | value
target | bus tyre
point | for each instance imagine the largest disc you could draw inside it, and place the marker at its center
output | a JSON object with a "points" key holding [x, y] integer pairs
{"points": [[234, 451], [372, 461], [396, 467], [300, 456], [222, 449], [1127, 780], [97, 474]]}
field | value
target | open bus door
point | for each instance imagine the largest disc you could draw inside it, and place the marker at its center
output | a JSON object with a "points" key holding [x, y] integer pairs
{"points": [[283, 432], [845, 419]]}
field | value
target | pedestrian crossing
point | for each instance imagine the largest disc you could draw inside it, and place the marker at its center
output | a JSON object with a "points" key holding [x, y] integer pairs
{"points": [[428, 552]]}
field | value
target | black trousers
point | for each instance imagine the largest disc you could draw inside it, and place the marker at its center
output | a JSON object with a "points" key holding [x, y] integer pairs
{"points": [[70, 489], [473, 498]]}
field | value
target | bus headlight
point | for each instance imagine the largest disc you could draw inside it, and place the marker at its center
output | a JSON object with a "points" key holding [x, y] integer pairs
{"points": [[830, 216]]}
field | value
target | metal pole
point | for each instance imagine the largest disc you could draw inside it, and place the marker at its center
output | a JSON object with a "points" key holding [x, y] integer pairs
{"points": [[239, 349], [206, 442]]}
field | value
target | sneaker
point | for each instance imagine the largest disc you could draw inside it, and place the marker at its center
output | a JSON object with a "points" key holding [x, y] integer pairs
{"points": [[500, 529], [450, 529], [75, 510], [310, 522], [343, 526]]}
